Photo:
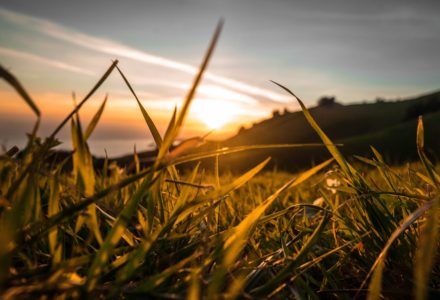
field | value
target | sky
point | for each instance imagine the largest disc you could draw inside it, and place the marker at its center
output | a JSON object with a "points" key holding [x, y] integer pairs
{"points": [[353, 50]]}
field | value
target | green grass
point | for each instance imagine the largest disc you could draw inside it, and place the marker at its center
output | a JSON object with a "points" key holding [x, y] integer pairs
{"points": [[341, 229]]}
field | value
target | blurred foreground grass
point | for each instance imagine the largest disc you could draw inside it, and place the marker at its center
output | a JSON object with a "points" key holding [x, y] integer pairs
{"points": [[342, 229]]}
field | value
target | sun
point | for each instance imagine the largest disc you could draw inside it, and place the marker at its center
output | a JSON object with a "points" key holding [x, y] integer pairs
{"points": [[214, 113], [214, 120]]}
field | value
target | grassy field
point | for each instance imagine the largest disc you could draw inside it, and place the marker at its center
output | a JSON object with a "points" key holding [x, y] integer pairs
{"points": [[342, 229]]}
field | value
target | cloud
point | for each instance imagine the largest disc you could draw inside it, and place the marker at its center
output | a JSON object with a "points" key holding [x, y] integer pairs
{"points": [[43, 60], [119, 50], [212, 91]]}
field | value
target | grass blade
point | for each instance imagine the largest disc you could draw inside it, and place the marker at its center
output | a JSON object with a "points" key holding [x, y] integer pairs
{"points": [[95, 119], [428, 239], [329, 144], [9, 78], [186, 104], [287, 270], [84, 175], [375, 284], [231, 150], [116, 232], [84, 100], [153, 129]]}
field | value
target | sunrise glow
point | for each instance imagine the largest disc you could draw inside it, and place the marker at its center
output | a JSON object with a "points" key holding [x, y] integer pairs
{"points": [[215, 114]]}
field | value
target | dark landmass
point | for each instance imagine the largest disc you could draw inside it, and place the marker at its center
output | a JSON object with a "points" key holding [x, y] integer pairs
{"points": [[389, 126]]}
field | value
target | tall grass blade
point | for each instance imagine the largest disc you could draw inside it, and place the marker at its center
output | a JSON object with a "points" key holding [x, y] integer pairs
{"points": [[287, 270], [53, 208], [153, 129], [423, 158], [84, 175], [239, 235], [115, 234], [329, 144], [428, 239], [95, 119], [9, 78], [427, 250], [171, 125], [375, 283], [227, 188], [186, 104], [231, 150], [84, 100], [238, 182], [50, 140], [155, 281]]}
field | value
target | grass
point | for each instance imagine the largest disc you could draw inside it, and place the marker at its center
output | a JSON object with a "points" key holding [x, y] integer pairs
{"points": [[345, 228]]}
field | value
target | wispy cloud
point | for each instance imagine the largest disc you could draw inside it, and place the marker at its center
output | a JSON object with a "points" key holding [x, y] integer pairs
{"points": [[119, 50], [212, 91], [30, 43], [43, 60]]}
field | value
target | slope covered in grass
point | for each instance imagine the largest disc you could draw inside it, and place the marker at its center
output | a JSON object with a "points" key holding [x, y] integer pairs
{"points": [[389, 126], [339, 121]]}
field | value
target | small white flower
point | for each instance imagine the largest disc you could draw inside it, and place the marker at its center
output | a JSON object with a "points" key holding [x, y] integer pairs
{"points": [[319, 201], [332, 181]]}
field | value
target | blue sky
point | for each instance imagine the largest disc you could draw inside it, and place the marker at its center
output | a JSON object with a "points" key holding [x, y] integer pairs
{"points": [[354, 50]]}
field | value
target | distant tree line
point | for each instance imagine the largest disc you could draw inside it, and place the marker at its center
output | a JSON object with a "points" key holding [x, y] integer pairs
{"points": [[323, 101], [326, 101], [276, 113]]}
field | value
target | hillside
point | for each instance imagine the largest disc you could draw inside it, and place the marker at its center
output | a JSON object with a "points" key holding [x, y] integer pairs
{"points": [[388, 126]]}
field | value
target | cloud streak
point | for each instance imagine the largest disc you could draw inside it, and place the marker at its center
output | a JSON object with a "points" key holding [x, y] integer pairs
{"points": [[113, 48], [43, 60]]}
